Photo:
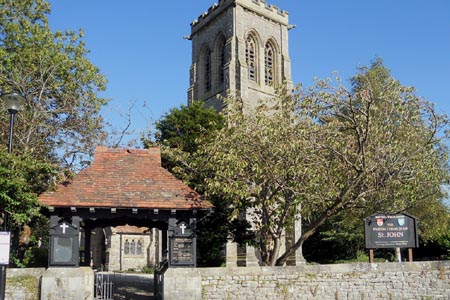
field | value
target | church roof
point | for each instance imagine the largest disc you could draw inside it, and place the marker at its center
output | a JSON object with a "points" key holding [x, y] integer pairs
{"points": [[125, 178]]}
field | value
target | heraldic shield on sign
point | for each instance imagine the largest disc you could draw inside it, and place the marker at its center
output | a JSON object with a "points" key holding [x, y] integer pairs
{"points": [[384, 230]]}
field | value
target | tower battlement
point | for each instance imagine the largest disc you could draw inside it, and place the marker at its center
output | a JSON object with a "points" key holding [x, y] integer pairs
{"points": [[259, 6]]}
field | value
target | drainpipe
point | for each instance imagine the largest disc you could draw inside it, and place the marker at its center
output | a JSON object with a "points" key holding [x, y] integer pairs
{"points": [[120, 253]]}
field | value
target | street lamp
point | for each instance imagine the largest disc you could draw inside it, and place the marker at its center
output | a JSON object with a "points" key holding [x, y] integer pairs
{"points": [[14, 103]]}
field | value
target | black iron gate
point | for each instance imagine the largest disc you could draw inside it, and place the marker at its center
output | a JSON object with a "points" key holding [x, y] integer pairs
{"points": [[159, 280], [103, 286]]}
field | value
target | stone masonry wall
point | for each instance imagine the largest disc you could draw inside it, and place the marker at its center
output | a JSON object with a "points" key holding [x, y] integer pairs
{"points": [[49, 284], [23, 284], [418, 280]]}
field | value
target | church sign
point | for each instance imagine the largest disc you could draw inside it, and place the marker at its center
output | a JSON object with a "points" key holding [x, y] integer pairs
{"points": [[182, 244], [391, 231]]}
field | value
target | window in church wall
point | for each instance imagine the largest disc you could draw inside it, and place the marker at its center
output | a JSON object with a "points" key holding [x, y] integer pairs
{"points": [[127, 247], [269, 68], [133, 247], [139, 247], [207, 70], [221, 61], [251, 58]]}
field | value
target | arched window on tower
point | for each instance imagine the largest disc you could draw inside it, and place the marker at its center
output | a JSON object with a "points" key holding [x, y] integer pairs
{"points": [[269, 64], [250, 57], [221, 60], [207, 70]]}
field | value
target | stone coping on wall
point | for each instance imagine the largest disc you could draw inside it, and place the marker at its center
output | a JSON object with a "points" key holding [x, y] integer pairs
{"points": [[315, 268], [416, 280]]}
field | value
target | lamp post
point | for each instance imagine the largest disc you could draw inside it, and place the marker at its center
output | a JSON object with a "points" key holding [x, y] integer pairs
{"points": [[14, 103]]}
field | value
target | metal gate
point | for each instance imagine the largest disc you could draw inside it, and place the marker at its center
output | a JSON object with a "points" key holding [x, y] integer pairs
{"points": [[103, 287], [159, 280]]}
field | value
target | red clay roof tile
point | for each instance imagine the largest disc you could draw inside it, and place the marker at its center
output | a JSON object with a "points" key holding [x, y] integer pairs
{"points": [[125, 178]]}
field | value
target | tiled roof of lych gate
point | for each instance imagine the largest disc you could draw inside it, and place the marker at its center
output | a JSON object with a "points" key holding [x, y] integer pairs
{"points": [[125, 178]]}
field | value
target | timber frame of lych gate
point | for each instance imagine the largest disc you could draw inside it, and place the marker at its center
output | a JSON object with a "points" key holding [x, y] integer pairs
{"points": [[123, 186]]}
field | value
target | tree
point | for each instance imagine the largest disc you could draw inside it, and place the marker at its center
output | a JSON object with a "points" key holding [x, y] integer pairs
{"points": [[182, 127], [180, 133], [326, 150], [61, 119], [22, 178], [60, 124]]}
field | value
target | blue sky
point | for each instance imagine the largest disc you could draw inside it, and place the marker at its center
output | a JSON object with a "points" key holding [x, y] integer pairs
{"points": [[138, 45]]}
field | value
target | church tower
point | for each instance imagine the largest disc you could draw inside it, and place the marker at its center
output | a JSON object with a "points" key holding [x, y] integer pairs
{"points": [[239, 46]]}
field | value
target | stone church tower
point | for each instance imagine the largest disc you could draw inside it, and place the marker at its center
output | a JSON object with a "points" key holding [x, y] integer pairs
{"points": [[239, 46]]}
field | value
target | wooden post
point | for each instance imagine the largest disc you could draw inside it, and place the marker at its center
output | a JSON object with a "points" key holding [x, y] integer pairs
{"points": [[410, 254], [371, 256]]}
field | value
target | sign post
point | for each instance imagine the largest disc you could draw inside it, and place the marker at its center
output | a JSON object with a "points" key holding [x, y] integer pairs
{"points": [[390, 231]]}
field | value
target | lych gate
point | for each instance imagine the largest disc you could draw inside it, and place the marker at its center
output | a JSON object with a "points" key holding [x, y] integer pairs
{"points": [[123, 187]]}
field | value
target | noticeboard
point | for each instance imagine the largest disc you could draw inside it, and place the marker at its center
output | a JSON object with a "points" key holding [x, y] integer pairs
{"points": [[182, 251], [64, 243], [182, 244], [391, 231], [5, 242]]}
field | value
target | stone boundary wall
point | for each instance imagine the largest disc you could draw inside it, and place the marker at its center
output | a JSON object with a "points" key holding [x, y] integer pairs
{"points": [[396, 281], [23, 284], [49, 284]]}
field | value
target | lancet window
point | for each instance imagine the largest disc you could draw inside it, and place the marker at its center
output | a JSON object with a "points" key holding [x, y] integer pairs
{"points": [[269, 61], [139, 247], [126, 249], [221, 60], [251, 57], [207, 70]]}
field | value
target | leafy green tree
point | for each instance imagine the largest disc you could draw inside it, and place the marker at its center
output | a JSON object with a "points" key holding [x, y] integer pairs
{"points": [[182, 127], [180, 133], [326, 150], [22, 178], [60, 124], [61, 119]]}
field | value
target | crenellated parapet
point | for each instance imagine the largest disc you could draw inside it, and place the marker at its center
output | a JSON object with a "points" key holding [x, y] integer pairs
{"points": [[258, 6], [239, 46]]}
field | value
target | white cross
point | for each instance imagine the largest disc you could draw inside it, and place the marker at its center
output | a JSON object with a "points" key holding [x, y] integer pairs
{"points": [[183, 227], [64, 226]]}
